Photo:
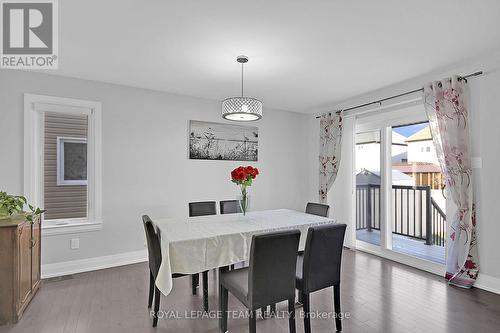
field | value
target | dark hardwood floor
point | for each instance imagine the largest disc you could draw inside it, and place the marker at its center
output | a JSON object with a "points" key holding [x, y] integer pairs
{"points": [[379, 295]]}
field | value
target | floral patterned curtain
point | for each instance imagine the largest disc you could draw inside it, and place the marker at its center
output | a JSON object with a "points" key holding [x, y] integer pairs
{"points": [[329, 151], [446, 106]]}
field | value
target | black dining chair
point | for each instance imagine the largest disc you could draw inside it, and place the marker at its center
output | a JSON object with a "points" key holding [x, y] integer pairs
{"points": [[269, 279], [201, 208], [317, 209], [230, 206], [319, 267], [154, 255]]}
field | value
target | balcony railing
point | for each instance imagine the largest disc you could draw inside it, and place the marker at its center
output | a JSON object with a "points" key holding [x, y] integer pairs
{"points": [[415, 213]]}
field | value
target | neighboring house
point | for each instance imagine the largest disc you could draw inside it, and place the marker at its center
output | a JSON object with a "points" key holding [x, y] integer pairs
{"points": [[423, 174], [368, 150], [65, 166], [422, 165], [372, 177], [421, 148], [414, 157]]}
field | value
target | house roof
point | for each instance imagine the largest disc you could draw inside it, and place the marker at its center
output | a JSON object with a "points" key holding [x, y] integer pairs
{"points": [[416, 167], [396, 175], [367, 177], [422, 135]]}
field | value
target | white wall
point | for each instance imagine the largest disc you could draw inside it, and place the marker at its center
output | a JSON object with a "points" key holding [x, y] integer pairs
{"points": [[145, 165], [485, 119]]}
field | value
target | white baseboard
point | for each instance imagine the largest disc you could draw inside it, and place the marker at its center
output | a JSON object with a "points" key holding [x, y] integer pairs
{"points": [[488, 283], [93, 264]]}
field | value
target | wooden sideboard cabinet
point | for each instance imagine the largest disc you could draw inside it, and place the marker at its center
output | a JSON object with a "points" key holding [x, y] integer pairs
{"points": [[19, 266]]}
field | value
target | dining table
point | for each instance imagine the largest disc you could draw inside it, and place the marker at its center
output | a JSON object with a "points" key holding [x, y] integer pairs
{"points": [[191, 245]]}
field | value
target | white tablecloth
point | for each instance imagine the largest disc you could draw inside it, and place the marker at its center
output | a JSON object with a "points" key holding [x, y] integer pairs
{"points": [[196, 244]]}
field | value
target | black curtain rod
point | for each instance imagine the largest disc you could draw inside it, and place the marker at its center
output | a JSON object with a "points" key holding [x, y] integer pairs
{"points": [[465, 77]]}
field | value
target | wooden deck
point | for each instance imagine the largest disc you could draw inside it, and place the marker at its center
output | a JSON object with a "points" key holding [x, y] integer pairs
{"points": [[406, 245]]}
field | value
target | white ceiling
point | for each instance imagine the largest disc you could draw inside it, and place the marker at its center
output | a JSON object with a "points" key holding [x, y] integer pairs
{"points": [[303, 54]]}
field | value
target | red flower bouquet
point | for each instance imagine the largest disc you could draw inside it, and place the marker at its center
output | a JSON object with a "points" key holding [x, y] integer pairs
{"points": [[244, 176]]}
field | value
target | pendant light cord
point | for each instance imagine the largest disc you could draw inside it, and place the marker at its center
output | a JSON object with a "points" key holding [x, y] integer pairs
{"points": [[241, 79]]}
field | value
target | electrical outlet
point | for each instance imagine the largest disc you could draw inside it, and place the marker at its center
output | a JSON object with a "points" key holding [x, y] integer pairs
{"points": [[75, 243], [477, 163]]}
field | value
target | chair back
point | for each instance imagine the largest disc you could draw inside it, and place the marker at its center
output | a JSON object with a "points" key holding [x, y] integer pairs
{"points": [[230, 206], [317, 209], [202, 208], [154, 248], [271, 272], [323, 256]]}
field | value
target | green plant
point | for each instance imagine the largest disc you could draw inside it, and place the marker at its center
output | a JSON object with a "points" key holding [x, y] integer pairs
{"points": [[14, 204]]}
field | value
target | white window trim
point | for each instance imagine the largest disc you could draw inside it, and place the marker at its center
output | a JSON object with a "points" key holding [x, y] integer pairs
{"points": [[61, 140], [34, 106]]}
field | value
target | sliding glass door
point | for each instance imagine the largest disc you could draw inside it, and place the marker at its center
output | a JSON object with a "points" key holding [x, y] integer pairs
{"points": [[368, 187], [400, 208], [418, 217]]}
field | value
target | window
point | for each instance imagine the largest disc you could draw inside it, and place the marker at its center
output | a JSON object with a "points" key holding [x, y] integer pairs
{"points": [[71, 161], [428, 149], [368, 187], [62, 162]]}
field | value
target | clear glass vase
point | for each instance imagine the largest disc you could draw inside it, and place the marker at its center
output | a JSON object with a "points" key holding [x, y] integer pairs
{"points": [[243, 201]]}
